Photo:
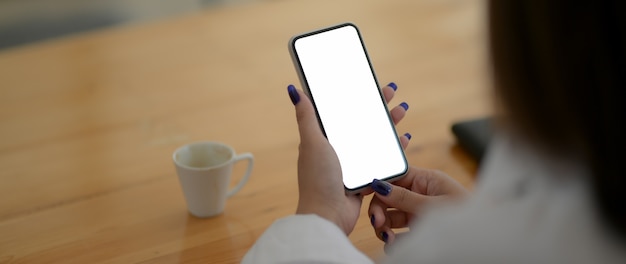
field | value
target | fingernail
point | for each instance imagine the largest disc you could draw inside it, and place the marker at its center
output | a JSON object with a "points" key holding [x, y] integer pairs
{"points": [[381, 187], [384, 236], [372, 220], [407, 135], [393, 86], [405, 106], [293, 94]]}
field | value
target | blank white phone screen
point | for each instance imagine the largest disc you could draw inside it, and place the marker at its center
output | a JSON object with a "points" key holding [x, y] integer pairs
{"points": [[350, 106]]}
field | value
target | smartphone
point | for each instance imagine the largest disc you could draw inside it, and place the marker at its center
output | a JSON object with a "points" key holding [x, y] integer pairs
{"points": [[337, 75]]}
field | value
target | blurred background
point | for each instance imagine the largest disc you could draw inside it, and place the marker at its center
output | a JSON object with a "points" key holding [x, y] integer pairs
{"points": [[27, 21]]}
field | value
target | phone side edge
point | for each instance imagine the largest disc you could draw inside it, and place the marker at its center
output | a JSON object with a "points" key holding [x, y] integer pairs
{"points": [[296, 63]]}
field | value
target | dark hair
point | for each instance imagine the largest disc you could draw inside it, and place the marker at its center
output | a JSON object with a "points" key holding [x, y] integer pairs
{"points": [[559, 70]]}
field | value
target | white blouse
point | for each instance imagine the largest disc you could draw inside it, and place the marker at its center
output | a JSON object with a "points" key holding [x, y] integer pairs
{"points": [[526, 208]]}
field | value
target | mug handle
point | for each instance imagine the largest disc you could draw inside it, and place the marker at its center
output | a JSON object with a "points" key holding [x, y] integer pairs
{"points": [[246, 176]]}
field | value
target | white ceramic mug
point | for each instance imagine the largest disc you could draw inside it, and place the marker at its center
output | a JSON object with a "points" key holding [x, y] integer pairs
{"points": [[204, 170]]}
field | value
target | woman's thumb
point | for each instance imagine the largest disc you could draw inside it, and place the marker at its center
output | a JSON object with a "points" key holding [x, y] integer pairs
{"points": [[397, 197], [305, 113]]}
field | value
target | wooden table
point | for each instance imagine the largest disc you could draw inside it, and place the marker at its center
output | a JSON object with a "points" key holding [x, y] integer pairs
{"points": [[88, 123]]}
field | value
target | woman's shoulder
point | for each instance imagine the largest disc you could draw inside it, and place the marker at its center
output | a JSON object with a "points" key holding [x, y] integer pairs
{"points": [[526, 208]]}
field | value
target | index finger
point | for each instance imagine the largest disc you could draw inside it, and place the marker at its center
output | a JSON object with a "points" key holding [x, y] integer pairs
{"points": [[308, 126]]}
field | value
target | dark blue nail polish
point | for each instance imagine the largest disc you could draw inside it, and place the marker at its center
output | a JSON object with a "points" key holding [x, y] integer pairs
{"points": [[405, 106], [407, 135], [293, 94], [381, 187], [393, 86], [372, 220], [384, 236]]}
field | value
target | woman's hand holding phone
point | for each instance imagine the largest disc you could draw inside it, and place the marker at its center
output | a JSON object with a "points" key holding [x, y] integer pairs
{"points": [[320, 185], [395, 205]]}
